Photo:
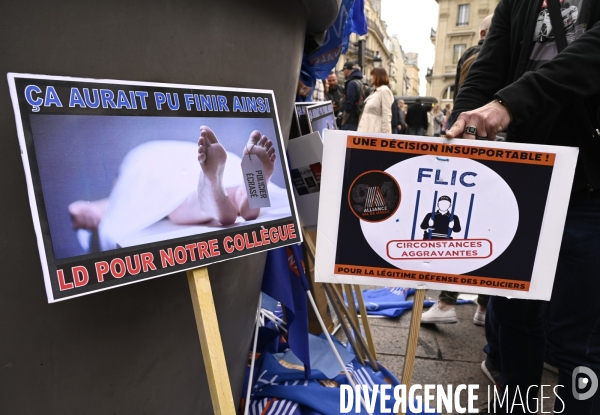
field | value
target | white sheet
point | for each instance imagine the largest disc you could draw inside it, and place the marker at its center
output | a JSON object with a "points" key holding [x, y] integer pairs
{"points": [[154, 179]]}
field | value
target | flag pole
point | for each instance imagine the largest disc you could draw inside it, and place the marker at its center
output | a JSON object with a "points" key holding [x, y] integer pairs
{"points": [[334, 349], [253, 359]]}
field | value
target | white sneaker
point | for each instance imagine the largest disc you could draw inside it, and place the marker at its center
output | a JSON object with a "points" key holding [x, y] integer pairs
{"points": [[479, 318], [437, 315]]}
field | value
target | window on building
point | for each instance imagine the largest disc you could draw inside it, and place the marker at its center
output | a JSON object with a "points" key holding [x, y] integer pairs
{"points": [[458, 52], [448, 94], [463, 15]]}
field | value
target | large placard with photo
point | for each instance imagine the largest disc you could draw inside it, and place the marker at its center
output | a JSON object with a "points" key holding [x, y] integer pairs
{"points": [[461, 215], [134, 180]]}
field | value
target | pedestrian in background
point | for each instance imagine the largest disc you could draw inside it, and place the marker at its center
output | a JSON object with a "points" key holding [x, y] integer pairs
{"points": [[416, 118], [335, 94], [402, 107], [354, 93], [319, 91], [377, 114], [438, 120], [429, 129], [396, 126], [446, 110]]}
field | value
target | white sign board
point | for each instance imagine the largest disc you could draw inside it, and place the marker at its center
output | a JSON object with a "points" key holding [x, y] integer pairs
{"points": [[306, 154], [461, 215]]}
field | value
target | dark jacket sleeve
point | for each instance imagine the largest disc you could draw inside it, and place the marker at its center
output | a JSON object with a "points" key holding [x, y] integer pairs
{"points": [[351, 97], [489, 72], [571, 75], [395, 115]]}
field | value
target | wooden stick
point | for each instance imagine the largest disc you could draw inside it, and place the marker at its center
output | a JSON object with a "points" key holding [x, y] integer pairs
{"points": [[351, 306], [333, 348], [210, 340], [310, 237], [365, 319], [361, 341], [331, 293], [253, 359], [413, 338], [350, 314]]}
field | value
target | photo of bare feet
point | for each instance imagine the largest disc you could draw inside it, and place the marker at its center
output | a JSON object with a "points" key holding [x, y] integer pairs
{"points": [[176, 178]]}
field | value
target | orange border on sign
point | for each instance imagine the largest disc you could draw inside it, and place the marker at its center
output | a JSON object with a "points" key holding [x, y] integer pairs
{"points": [[441, 149], [374, 171], [440, 278]]}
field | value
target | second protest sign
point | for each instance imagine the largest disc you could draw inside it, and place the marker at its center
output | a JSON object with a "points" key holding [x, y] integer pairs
{"points": [[462, 215]]}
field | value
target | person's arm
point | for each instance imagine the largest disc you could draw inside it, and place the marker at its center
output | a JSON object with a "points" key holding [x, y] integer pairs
{"points": [[387, 99]]}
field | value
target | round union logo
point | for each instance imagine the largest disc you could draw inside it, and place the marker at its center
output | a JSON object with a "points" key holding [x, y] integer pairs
{"points": [[374, 196]]}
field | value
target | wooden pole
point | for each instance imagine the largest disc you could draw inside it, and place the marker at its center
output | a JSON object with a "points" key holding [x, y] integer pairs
{"points": [[351, 303], [331, 293], [210, 341], [413, 338], [365, 319], [334, 291], [359, 338]]}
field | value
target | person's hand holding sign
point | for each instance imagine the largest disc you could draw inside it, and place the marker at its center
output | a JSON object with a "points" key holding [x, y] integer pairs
{"points": [[483, 123]]}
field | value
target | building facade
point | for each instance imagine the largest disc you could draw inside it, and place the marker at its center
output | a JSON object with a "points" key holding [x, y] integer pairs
{"points": [[458, 30], [412, 69]]}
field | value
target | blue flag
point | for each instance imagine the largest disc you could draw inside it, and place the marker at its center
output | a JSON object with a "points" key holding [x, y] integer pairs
{"points": [[351, 19], [359, 20], [285, 280]]}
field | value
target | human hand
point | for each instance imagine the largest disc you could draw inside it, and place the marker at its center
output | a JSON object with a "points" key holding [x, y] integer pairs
{"points": [[430, 222], [451, 224], [488, 121]]}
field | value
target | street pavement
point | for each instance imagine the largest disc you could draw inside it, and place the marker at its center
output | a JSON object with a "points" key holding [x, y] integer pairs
{"points": [[446, 353]]}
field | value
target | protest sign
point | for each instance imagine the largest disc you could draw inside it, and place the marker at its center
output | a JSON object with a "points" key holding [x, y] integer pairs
{"points": [[321, 117], [302, 117], [306, 154], [134, 180], [461, 215]]}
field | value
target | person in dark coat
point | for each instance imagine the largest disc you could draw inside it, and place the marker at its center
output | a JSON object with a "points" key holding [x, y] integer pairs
{"points": [[416, 118], [521, 84], [354, 91]]}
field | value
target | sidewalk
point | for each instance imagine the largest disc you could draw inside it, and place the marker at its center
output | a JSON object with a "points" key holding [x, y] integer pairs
{"points": [[446, 353]]}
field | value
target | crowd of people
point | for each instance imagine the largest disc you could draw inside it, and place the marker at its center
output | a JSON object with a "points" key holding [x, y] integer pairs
{"points": [[371, 106]]}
